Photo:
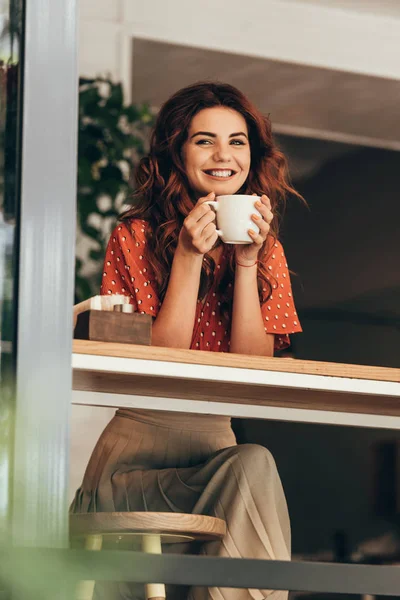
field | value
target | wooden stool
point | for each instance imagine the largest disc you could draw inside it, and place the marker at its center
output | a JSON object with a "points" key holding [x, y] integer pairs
{"points": [[154, 529]]}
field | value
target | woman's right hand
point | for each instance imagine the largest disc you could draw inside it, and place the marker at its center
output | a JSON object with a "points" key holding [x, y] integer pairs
{"points": [[199, 233]]}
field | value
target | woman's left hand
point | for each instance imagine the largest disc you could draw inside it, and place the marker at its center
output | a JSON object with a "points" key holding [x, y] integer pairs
{"points": [[247, 254]]}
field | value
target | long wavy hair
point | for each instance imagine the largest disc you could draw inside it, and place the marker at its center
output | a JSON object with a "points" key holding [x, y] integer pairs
{"points": [[164, 198]]}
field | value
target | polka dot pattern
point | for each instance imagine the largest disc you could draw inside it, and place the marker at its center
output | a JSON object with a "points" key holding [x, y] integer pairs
{"points": [[125, 254], [279, 310]]}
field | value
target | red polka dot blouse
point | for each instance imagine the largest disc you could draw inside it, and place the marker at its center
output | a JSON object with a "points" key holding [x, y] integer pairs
{"points": [[126, 271]]}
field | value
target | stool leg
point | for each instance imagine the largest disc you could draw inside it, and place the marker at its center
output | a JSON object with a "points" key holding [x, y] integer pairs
{"points": [[85, 589], [152, 545]]}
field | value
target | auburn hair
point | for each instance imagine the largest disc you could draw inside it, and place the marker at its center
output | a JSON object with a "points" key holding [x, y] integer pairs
{"points": [[163, 196]]}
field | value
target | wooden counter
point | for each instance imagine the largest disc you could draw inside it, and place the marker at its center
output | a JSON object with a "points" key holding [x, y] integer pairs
{"points": [[109, 374]]}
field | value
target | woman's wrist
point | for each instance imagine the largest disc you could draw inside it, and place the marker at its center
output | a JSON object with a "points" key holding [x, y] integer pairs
{"points": [[247, 264], [182, 254]]}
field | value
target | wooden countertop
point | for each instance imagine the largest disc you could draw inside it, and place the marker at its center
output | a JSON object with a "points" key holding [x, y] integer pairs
{"points": [[111, 374], [239, 361]]}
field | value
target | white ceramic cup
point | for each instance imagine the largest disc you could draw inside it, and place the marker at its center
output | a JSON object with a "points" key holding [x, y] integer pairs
{"points": [[234, 217]]}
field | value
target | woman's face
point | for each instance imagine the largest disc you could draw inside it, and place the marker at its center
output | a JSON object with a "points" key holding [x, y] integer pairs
{"points": [[216, 154]]}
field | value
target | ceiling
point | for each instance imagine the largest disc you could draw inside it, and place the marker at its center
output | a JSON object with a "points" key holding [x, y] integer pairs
{"points": [[301, 100], [387, 8]]}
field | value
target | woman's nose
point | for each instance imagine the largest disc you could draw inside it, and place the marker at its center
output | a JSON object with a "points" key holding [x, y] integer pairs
{"points": [[222, 154]]}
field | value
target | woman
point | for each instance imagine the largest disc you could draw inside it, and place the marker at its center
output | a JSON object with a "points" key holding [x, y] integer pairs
{"points": [[166, 256]]}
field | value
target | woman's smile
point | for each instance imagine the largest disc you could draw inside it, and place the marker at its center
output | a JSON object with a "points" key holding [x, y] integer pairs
{"points": [[217, 152], [220, 174]]}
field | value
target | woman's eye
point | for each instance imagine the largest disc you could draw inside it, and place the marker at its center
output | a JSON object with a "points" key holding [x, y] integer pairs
{"points": [[232, 142]]}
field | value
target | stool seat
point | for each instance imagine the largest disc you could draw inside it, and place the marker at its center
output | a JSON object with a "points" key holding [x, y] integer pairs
{"points": [[171, 527], [152, 529]]}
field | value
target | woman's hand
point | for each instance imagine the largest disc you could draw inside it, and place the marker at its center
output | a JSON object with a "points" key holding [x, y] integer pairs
{"points": [[246, 254], [198, 234]]}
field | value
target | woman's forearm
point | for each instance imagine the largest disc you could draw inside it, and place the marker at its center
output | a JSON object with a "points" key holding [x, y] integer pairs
{"points": [[248, 335], [173, 326]]}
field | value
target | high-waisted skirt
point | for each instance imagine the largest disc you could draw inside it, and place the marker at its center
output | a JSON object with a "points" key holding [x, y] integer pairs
{"points": [[174, 462]]}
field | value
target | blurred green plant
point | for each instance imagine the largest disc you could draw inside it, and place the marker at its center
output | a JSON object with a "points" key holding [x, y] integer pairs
{"points": [[112, 137]]}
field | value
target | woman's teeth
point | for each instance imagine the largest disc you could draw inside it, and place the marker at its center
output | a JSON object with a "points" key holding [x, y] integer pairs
{"points": [[220, 173]]}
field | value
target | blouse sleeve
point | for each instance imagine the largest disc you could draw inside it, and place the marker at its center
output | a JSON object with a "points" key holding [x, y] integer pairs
{"points": [[126, 270], [279, 312]]}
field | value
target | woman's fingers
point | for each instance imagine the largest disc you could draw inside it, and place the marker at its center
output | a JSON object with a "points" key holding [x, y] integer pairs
{"points": [[262, 220], [264, 208], [199, 211], [257, 237], [210, 234], [196, 214], [201, 224], [266, 201], [194, 225], [262, 225], [265, 218], [206, 239], [193, 237], [201, 202], [210, 196], [200, 227]]}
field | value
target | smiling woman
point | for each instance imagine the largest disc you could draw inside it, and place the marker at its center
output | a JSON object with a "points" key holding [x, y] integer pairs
{"points": [[167, 257], [202, 132], [216, 154]]}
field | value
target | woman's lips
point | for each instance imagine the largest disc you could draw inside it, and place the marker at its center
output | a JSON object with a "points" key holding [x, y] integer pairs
{"points": [[220, 174]]}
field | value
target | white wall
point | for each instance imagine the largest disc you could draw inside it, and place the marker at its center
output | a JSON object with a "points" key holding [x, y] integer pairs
{"points": [[294, 31], [99, 29]]}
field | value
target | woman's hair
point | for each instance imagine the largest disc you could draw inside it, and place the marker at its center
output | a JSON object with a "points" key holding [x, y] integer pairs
{"points": [[163, 196]]}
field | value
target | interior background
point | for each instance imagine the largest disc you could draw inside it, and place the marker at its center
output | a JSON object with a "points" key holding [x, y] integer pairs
{"points": [[328, 75]]}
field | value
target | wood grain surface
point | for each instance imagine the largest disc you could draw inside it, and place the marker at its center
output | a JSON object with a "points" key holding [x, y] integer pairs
{"points": [[235, 393], [117, 327], [239, 361], [199, 527]]}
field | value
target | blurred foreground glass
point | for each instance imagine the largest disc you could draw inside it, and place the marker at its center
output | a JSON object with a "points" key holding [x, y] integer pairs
{"points": [[10, 121]]}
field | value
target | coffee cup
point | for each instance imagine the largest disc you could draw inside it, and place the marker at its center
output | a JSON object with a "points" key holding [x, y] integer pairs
{"points": [[233, 213]]}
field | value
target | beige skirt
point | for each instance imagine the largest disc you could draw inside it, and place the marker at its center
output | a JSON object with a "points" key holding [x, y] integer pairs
{"points": [[159, 461]]}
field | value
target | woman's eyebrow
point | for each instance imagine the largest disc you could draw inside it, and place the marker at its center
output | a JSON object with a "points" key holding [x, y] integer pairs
{"points": [[237, 134], [209, 134], [204, 133]]}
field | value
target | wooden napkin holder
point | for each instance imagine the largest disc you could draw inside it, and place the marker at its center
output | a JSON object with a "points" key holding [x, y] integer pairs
{"points": [[110, 326]]}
